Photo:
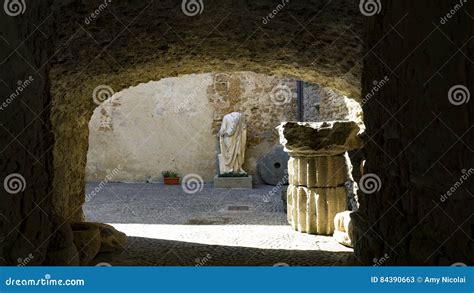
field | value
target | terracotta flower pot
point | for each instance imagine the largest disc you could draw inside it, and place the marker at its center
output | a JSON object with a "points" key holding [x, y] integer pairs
{"points": [[171, 180]]}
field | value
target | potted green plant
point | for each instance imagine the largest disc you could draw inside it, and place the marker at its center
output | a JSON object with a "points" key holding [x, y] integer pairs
{"points": [[233, 174], [170, 177]]}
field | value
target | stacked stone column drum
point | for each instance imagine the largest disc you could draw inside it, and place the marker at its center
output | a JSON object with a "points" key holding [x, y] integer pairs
{"points": [[316, 192], [317, 172]]}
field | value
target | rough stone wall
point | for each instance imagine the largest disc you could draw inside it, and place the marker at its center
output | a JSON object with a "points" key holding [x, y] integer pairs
{"points": [[264, 100], [421, 142], [311, 102], [173, 123], [338, 107], [324, 104], [128, 43]]}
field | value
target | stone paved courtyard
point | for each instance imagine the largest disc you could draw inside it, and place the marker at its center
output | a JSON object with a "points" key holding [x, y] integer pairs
{"points": [[167, 226]]}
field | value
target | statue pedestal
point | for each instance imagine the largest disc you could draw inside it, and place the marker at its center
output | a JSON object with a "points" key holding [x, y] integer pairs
{"points": [[233, 182]]}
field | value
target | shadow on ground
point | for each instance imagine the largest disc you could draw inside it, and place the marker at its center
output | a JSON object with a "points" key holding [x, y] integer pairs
{"points": [[213, 227], [156, 252]]}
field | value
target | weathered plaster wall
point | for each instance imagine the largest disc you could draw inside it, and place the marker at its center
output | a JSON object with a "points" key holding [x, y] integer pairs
{"points": [[152, 127], [173, 123]]}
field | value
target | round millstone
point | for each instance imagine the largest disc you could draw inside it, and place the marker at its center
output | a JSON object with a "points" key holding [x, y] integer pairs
{"points": [[273, 167]]}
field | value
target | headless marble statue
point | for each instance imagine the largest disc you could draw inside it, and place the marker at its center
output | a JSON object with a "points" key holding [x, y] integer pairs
{"points": [[233, 138]]}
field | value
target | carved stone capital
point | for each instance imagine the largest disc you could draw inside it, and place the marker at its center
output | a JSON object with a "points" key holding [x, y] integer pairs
{"points": [[329, 138]]}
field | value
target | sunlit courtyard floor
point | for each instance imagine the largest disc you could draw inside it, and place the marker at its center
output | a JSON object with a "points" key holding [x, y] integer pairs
{"points": [[167, 226]]}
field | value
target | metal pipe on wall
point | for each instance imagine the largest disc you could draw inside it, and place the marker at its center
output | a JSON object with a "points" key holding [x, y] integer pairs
{"points": [[299, 100]]}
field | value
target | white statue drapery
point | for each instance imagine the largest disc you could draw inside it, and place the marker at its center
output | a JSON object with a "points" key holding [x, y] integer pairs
{"points": [[233, 139]]}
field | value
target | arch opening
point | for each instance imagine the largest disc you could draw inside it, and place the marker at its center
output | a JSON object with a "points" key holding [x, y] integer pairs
{"points": [[171, 125]]}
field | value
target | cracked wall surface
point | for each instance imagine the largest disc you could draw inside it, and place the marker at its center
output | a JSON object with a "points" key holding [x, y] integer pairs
{"points": [[173, 124]]}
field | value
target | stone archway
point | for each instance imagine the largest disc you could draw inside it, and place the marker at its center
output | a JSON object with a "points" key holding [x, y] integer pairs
{"points": [[167, 52], [170, 50], [64, 48], [172, 124]]}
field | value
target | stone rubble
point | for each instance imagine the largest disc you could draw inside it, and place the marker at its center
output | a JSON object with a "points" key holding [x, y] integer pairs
{"points": [[82, 242], [343, 232]]}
